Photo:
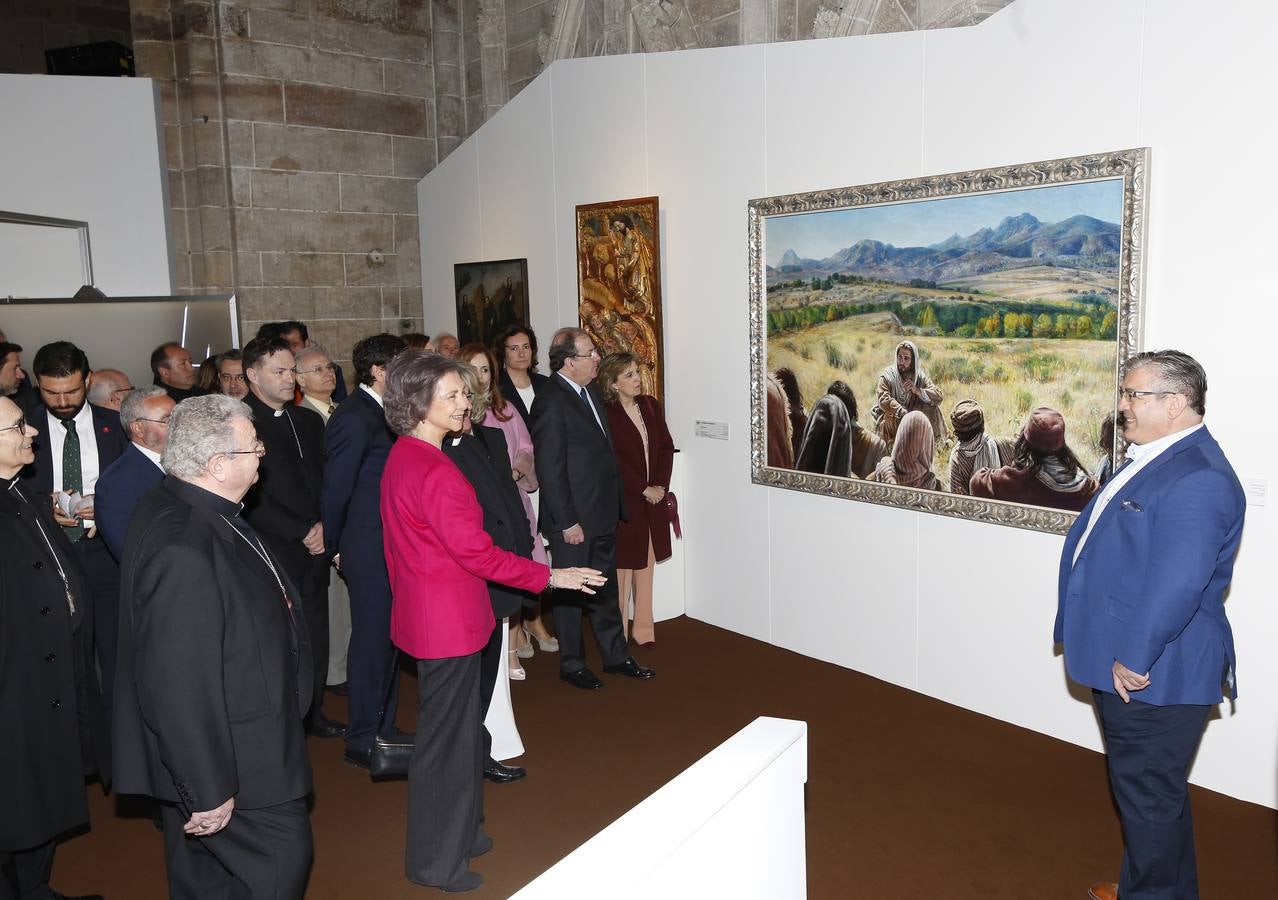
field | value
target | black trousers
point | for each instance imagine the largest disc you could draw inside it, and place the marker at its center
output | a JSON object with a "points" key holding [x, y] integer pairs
{"points": [[372, 676], [261, 854], [489, 666], [601, 607], [103, 575], [310, 575], [1149, 750], [24, 874], [445, 775]]}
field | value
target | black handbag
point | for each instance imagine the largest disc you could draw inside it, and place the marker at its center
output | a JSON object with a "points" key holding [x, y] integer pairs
{"points": [[389, 759]]}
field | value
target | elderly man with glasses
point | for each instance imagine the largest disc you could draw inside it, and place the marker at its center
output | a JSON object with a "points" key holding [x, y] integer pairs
{"points": [[215, 670], [1143, 578], [144, 415], [581, 503], [54, 727]]}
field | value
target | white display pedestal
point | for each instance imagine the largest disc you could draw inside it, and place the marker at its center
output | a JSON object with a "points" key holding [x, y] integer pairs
{"points": [[731, 825]]}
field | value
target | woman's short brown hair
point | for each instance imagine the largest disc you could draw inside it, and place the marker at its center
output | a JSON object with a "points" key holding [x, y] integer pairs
{"points": [[412, 379], [610, 370]]}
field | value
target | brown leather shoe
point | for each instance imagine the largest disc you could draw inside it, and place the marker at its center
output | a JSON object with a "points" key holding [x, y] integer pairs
{"points": [[1103, 890]]}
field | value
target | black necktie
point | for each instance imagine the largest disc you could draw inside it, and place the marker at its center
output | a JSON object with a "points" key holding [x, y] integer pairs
{"points": [[72, 478], [585, 398]]}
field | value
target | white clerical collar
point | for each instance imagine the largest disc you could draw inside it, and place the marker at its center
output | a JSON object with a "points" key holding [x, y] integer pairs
{"points": [[372, 393], [148, 453], [1137, 452]]}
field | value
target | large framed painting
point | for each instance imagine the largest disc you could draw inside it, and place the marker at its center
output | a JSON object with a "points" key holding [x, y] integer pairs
{"points": [[949, 344], [619, 282], [490, 295]]}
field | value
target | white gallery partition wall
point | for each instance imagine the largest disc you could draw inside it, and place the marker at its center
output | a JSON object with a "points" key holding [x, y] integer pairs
{"points": [[88, 150], [954, 609]]}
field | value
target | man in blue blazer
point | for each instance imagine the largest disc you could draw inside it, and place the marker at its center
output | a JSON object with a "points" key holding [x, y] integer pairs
{"points": [[358, 441], [144, 416], [77, 442], [1141, 614]]}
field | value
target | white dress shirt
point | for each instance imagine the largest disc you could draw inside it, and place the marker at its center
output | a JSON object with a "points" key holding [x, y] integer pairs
{"points": [[372, 393], [57, 433], [577, 389], [1140, 455], [149, 454]]}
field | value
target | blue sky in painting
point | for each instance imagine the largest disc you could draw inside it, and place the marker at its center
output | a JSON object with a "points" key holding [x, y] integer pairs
{"points": [[817, 235]]}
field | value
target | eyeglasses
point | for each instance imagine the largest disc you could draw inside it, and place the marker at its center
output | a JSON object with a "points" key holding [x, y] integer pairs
{"points": [[594, 351], [259, 450], [164, 421], [20, 425], [123, 390], [228, 378], [1129, 395], [329, 367]]}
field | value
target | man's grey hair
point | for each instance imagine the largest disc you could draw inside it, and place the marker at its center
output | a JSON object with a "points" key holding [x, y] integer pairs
{"points": [[1177, 372], [311, 349], [199, 429], [104, 382], [133, 409]]}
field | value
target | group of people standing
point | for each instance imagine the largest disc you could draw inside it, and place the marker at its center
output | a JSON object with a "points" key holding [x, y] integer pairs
{"points": [[183, 545], [1036, 468]]}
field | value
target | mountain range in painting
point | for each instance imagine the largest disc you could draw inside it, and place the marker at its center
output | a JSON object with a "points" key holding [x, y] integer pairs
{"points": [[1079, 242]]}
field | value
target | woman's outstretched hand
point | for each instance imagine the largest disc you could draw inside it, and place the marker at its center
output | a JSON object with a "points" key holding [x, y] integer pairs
{"points": [[577, 578]]}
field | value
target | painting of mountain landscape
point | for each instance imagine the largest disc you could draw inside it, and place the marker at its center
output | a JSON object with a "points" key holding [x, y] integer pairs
{"points": [[1004, 303]]}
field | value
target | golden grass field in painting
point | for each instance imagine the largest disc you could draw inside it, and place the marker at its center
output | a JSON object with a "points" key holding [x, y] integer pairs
{"points": [[1007, 376]]}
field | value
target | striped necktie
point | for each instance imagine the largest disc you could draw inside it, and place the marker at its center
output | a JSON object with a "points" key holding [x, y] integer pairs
{"points": [[72, 478]]}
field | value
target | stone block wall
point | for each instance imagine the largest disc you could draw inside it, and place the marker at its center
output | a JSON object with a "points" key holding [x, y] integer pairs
{"points": [[296, 130]]}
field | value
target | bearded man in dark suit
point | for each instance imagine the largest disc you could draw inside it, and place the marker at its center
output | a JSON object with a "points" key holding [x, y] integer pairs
{"points": [[581, 502], [215, 670], [78, 442]]}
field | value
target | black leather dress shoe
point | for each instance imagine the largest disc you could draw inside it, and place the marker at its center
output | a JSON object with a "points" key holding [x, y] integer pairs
{"points": [[630, 669], [467, 882], [324, 727], [500, 774], [362, 759], [583, 678]]}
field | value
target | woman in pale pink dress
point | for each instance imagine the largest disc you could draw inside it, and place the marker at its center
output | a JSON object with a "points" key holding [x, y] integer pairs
{"points": [[491, 409]]}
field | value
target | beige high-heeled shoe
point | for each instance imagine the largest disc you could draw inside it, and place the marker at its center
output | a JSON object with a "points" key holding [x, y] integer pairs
{"points": [[514, 669], [549, 645]]}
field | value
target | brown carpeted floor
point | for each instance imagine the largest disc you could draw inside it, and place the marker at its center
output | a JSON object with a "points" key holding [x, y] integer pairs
{"points": [[907, 797]]}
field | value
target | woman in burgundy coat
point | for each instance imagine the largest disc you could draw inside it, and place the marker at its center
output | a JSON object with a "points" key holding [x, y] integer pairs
{"points": [[645, 455]]}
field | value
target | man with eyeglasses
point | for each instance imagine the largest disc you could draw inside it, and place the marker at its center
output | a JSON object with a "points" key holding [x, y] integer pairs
{"points": [[581, 502], [284, 506], [230, 375], [215, 670], [1141, 614], [78, 442], [145, 418], [54, 730], [109, 388]]}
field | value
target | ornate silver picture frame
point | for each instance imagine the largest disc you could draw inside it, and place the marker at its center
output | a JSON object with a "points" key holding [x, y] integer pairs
{"points": [[950, 344]]}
